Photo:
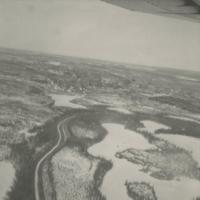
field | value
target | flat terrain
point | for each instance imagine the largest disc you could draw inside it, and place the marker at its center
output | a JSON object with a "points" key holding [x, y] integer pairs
{"points": [[69, 125]]}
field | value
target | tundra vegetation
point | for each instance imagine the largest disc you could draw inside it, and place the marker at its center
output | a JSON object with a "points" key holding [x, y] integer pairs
{"points": [[111, 92], [140, 191]]}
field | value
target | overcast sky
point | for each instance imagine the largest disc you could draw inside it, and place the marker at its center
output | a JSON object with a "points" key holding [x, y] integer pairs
{"points": [[92, 28]]}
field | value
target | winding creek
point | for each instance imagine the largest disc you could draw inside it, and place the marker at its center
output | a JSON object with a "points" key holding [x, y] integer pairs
{"points": [[119, 139]]}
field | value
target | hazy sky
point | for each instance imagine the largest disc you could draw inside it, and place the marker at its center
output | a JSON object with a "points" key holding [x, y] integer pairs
{"points": [[91, 28]]}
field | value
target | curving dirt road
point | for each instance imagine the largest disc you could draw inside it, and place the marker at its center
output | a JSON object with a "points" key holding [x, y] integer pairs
{"points": [[62, 138]]}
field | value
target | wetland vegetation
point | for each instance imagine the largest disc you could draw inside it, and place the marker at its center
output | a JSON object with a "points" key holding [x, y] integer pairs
{"points": [[122, 115]]}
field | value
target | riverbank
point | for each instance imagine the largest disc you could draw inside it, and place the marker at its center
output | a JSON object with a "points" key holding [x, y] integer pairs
{"points": [[24, 157]]}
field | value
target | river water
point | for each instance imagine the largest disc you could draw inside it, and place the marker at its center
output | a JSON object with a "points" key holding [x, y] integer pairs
{"points": [[65, 100], [7, 175], [113, 185], [118, 139]]}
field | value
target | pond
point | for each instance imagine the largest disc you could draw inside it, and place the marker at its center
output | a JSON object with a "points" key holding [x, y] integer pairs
{"points": [[7, 175]]}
